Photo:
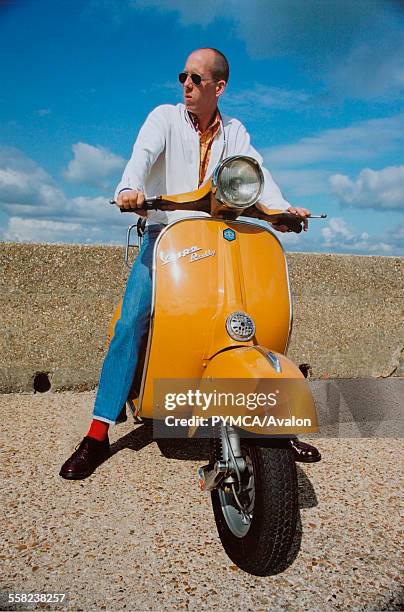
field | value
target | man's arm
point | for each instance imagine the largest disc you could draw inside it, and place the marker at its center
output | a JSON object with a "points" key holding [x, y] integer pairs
{"points": [[148, 146]]}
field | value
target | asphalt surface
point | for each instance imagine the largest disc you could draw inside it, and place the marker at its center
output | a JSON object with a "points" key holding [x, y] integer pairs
{"points": [[139, 535]]}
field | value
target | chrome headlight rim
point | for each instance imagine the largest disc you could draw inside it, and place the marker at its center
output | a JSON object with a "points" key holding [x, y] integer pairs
{"points": [[216, 181]]}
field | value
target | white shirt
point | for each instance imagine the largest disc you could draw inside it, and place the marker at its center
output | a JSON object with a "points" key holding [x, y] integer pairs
{"points": [[165, 159]]}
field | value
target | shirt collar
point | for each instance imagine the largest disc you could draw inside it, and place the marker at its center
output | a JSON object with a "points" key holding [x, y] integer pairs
{"points": [[215, 121]]}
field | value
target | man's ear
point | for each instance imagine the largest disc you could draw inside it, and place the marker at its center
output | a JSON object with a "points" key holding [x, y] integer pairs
{"points": [[220, 87]]}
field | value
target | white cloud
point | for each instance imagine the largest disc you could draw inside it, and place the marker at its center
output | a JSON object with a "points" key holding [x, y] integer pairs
{"points": [[99, 210], [260, 97], [339, 237], [39, 211], [42, 112], [36, 230], [22, 181], [88, 212], [312, 166], [337, 227], [371, 71], [379, 189], [21, 229], [274, 28], [364, 140], [356, 47], [92, 165]]}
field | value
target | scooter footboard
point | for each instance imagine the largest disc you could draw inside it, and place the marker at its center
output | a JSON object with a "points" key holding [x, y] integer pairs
{"points": [[257, 390]]}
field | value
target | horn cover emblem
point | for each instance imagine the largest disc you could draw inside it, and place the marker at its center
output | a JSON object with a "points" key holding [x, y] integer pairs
{"points": [[229, 234], [240, 326]]}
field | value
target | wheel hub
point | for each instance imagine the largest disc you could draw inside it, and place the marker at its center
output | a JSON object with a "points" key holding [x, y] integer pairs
{"points": [[238, 507]]}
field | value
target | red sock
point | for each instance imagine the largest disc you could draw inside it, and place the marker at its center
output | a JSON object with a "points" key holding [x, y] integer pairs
{"points": [[98, 430]]}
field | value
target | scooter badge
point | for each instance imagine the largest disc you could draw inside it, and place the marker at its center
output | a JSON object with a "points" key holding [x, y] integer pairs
{"points": [[229, 234]]}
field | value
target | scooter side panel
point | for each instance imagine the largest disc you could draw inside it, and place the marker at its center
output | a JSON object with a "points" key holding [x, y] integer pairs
{"points": [[200, 278], [263, 274]]}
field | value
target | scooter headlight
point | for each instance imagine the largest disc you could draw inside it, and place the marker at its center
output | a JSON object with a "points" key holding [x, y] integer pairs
{"points": [[238, 181]]}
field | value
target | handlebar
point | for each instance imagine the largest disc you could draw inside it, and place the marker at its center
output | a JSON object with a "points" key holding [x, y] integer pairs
{"points": [[293, 222]]}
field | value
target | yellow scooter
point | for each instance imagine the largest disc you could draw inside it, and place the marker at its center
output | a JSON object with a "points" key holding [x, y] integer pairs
{"points": [[220, 325]]}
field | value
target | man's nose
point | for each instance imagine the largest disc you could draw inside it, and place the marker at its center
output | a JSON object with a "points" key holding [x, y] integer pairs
{"points": [[188, 82]]}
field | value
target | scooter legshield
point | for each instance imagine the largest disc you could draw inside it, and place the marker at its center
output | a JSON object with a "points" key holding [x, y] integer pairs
{"points": [[277, 397]]}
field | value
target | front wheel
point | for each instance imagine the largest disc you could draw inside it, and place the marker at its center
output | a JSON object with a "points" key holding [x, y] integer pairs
{"points": [[259, 536]]}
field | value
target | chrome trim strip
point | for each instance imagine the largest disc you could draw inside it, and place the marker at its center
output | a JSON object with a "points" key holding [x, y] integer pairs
{"points": [[274, 361], [269, 356], [290, 307], [163, 231]]}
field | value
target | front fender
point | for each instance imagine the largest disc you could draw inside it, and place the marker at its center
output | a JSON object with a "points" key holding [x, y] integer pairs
{"points": [[248, 372]]}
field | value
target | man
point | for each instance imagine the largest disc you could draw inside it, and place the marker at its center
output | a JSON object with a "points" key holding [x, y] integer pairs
{"points": [[177, 149]]}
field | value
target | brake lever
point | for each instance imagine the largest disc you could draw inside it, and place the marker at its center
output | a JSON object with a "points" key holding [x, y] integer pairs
{"points": [[295, 224]]}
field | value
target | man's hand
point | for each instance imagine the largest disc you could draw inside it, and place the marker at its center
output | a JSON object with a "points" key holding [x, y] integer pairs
{"points": [[130, 198], [302, 213]]}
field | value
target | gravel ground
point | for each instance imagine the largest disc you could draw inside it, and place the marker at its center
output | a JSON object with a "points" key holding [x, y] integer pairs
{"points": [[139, 535]]}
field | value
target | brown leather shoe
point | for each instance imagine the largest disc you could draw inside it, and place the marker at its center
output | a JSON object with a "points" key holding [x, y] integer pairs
{"points": [[306, 453], [86, 458]]}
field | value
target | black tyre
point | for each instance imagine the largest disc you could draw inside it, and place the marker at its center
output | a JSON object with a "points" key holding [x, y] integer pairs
{"points": [[260, 544]]}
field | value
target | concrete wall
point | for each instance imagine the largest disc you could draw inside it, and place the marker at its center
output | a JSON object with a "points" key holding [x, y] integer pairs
{"points": [[56, 302]]}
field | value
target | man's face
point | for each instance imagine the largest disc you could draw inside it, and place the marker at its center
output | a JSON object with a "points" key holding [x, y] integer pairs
{"points": [[201, 99]]}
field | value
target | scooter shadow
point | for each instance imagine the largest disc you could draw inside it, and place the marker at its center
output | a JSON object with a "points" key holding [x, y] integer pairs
{"points": [[307, 494], [198, 449], [137, 439], [182, 449]]}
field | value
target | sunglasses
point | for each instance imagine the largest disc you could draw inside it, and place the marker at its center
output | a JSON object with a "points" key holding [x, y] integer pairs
{"points": [[195, 78]]}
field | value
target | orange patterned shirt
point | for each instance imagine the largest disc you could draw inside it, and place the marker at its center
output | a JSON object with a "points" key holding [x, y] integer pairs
{"points": [[206, 139]]}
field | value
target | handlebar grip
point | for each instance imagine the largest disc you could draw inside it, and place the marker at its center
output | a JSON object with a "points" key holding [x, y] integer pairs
{"points": [[295, 225], [291, 221], [149, 204]]}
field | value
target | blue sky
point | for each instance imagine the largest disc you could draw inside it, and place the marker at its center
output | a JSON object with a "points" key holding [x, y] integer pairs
{"points": [[318, 84]]}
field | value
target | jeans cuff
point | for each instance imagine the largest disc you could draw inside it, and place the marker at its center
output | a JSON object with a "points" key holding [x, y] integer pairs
{"points": [[103, 419]]}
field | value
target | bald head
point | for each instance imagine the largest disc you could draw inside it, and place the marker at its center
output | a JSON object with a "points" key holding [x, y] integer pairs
{"points": [[214, 61]]}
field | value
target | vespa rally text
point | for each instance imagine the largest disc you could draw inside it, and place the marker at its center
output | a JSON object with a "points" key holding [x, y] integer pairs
{"points": [[193, 252]]}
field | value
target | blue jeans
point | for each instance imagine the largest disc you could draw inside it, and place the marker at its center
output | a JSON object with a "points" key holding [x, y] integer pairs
{"points": [[130, 334]]}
